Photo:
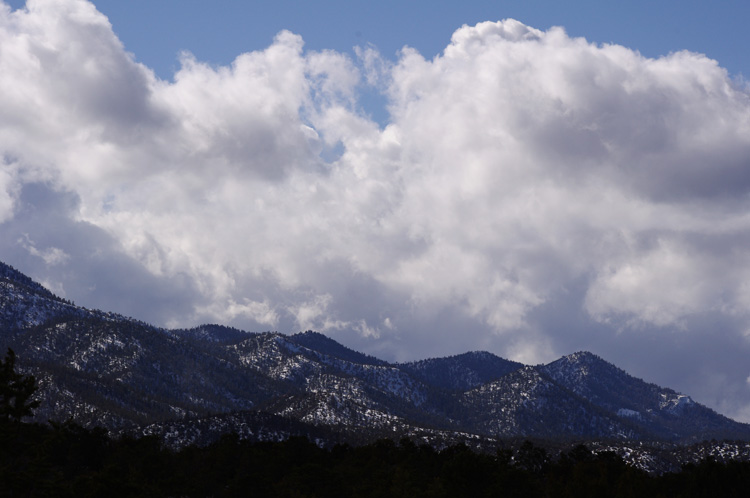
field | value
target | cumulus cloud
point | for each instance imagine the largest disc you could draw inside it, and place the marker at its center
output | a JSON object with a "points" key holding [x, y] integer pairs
{"points": [[51, 255], [8, 187], [518, 170]]}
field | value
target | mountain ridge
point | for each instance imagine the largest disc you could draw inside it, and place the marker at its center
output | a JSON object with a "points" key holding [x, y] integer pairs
{"points": [[105, 369]]}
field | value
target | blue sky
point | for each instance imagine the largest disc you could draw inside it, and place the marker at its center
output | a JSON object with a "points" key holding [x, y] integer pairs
{"points": [[217, 31], [528, 192]]}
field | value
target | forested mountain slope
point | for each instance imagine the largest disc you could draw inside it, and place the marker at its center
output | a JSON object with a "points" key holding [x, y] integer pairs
{"points": [[105, 369]]}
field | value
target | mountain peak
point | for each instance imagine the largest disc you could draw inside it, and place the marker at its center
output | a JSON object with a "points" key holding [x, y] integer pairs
{"points": [[583, 357], [575, 369], [214, 333], [324, 344], [463, 371]]}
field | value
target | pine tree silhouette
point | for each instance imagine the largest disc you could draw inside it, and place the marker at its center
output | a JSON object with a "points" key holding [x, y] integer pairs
{"points": [[15, 390]]}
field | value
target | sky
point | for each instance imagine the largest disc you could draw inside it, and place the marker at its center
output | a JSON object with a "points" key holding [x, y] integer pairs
{"points": [[413, 179]]}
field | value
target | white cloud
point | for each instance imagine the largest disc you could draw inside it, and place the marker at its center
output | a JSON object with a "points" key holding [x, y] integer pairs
{"points": [[8, 188], [315, 314], [516, 166], [51, 255], [260, 312], [665, 284]]}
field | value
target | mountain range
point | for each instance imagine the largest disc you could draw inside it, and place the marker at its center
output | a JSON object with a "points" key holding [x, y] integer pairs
{"points": [[192, 385]]}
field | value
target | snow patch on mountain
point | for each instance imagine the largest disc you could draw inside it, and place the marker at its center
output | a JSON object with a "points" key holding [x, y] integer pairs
{"points": [[626, 412]]}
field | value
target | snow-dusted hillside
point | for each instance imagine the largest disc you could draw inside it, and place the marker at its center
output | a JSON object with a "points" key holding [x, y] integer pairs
{"points": [[100, 368]]}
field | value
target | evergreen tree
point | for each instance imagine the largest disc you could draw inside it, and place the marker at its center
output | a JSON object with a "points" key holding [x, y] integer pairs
{"points": [[15, 390]]}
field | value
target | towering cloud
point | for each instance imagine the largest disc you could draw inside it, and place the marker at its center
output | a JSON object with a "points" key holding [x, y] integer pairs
{"points": [[531, 193]]}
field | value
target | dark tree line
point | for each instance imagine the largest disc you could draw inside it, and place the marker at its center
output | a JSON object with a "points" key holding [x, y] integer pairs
{"points": [[68, 460]]}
